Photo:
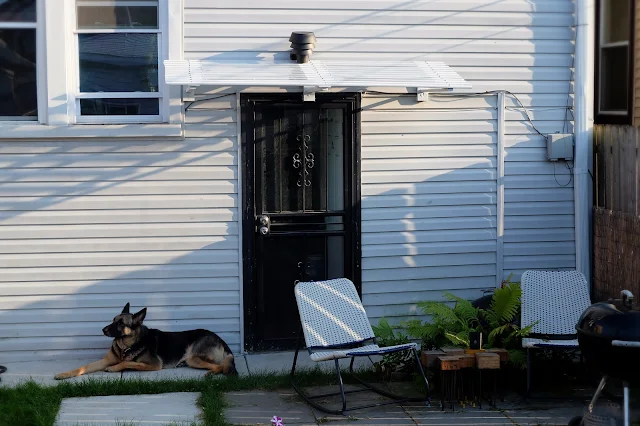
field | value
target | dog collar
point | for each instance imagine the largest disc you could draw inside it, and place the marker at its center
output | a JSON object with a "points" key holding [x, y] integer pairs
{"points": [[129, 354]]}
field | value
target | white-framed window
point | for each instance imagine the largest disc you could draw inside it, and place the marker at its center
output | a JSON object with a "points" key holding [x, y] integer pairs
{"points": [[19, 60], [614, 58], [118, 50]]}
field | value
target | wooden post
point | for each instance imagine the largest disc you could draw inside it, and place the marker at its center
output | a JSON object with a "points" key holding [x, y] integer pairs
{"points": [[630, 169], [599, 198], [607, 154], [636, 143], [615, 140]]}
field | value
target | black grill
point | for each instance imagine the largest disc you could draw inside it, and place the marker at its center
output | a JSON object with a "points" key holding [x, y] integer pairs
{"points": [[603, 330], [609, 339]]}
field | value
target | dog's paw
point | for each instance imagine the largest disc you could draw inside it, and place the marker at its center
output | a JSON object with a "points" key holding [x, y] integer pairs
{"points": [[61, 376], [112, 369]]}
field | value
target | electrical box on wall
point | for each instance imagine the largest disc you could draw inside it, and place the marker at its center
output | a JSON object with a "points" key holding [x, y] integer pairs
{"points": [[559, 146]]}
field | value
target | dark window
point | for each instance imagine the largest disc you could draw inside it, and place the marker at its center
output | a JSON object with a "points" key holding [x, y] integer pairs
{"points": [[126, 106], [18, 11], [137, 17], [614, 99], [18, 84], [118, 62], [114, 59]]}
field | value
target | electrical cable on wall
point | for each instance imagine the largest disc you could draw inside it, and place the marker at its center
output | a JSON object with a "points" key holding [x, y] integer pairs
{"points": [[568, 109], [570, 175], [206, 99]]}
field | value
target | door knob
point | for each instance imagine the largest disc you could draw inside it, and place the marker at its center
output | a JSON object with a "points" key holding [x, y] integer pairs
{"points": [[265, 225]]}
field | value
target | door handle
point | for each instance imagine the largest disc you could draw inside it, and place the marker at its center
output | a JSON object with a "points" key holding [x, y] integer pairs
{"points": [[264, 225]]}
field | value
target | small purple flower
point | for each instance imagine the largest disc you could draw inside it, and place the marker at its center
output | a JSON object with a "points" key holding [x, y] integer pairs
{"points": [[277, 421]]}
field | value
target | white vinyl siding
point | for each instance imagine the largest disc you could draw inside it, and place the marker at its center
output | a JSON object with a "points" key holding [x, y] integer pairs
{"points": [[428, 200], [429, 171], [90, 225], [539, 209], [430, 206]]}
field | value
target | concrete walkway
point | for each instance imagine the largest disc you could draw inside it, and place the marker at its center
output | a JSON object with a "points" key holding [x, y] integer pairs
{"points": [[256, 407], [155, 410], [43, 371]]}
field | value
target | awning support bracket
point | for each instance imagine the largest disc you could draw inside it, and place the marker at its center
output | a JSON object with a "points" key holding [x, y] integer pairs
{"points": [[189, 93], [309, 92], [422, 94]]}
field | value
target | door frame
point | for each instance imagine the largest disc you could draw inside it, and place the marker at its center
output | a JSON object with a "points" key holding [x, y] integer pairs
{"points": [[352, 102]]}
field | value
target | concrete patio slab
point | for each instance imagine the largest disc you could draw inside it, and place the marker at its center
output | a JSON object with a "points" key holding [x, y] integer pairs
{"points": [[553, 416], [44, 371], [148, 410], [431, 417], [280, 362], [386, 415], [390, 415], [182, 372], [249, 408], [258, 408]]}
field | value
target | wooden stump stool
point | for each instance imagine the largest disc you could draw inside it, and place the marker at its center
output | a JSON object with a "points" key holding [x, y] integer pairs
{"points": [[504, 357], [466, 379], [488, 364], [429, 359], [449, 367], [450, 351]]}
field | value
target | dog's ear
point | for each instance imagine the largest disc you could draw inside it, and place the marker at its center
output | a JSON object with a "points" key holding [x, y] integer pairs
{"points": [[126, 309], [139, 316]]}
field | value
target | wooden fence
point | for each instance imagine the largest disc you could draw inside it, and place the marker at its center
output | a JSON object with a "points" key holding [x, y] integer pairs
{"points": [[616, 240], [617, 177], [616, 254]]}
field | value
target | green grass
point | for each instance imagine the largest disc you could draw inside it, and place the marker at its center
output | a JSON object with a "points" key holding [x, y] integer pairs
{"points": [[30, 404]]}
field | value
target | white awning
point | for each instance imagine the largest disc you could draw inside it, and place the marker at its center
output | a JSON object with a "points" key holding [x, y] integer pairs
{"points": [[423, 76]]}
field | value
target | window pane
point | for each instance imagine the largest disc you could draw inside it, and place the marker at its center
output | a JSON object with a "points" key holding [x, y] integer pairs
{"points": [[615, 21], [614, 81], [139, 17], [18, 10], [18, 89], [118, 62], [119, 106]]}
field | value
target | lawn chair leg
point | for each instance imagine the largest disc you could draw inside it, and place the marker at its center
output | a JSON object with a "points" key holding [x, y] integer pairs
{"points": [[295, 355], [424, 377], [342, 395], [309, 399], [528, 371], [395, 399], [627, 414], [601, 386]]}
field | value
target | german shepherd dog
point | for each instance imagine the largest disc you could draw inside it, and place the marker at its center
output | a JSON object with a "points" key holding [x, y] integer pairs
{"points": [[136, 347]]}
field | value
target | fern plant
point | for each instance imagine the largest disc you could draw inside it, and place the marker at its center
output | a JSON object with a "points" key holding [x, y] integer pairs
{"points": [[387, 335], [451, 325], [502, 314]]}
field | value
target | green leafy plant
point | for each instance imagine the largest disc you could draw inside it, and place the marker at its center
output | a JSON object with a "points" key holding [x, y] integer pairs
{"points": [[451, 325], [501, 316], [387, 335]]}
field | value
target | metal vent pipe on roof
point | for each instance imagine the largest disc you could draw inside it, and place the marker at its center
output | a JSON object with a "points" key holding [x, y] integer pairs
{"points": [[302, 45]]}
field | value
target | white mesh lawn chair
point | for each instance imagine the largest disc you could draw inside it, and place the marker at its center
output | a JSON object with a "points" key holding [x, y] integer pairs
{"points": [[555, 299], [335, 326]]}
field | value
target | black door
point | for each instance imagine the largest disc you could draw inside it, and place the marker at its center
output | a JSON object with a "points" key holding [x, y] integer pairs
{"points": [[301, 210]]}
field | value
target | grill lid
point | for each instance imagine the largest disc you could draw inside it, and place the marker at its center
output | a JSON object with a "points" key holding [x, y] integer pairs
{"points": [[607, 321]]}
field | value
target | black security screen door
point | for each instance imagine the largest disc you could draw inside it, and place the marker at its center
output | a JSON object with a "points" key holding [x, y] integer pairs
{"points": [[300, 207]]}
